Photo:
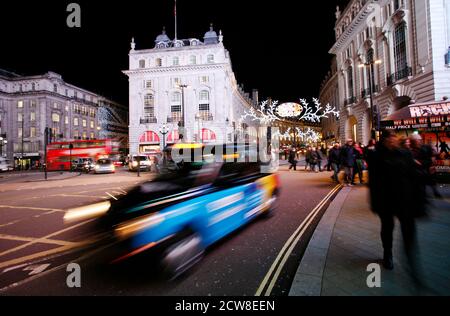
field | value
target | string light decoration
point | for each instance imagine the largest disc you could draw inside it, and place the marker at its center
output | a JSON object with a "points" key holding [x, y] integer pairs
{"points": [[265, 114], [309, 135], [317, 113]]}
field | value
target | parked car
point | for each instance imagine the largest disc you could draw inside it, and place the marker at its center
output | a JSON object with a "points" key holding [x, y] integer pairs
{"points": [[144, 162], [5, 165], [104, 166]]}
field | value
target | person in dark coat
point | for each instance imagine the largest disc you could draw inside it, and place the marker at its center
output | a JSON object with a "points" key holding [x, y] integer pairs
{"points": [[292, 159], [348, 161], [394, 183], [334, 161]]}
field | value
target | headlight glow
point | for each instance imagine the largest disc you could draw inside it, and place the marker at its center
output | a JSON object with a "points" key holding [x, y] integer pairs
{"points": [[87, 212], [134, 226]]}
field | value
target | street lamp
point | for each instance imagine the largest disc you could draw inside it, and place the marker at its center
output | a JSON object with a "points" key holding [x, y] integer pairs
{"points": [[182, 124], [370, 66], [163, 130], [198, 118], [3, 142]]}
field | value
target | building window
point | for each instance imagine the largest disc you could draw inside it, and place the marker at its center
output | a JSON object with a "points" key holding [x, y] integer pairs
{"points": [[32, 116], [149, 105], [350, 82], [76, 108], [32, 103], [176, 82], [66, 120], [55, 105], [84, 135], [33, 86], [203, 106], [84, 123], [75, 121], [175, 102], [20, 104], [32, 131], [92, 136], [55, 88], [55, 118], [76, 134], [210, 59], [148, 84], [400, 48], [193, 60], [141, 63], [204, 79], [176, 61], [158, 62], [67, 108], [19, 117], [19, 132]]}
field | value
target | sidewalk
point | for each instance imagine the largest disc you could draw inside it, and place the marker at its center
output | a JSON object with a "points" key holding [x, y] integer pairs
{"points": [[35, 176], [347, 240]]}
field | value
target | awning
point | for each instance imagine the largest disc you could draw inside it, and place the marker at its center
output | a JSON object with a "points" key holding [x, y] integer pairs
{"points": [[149, 137], [434, 115], [208, 135], [173, 137]]}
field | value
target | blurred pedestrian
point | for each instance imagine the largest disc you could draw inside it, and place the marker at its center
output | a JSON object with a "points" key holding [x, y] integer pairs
{"points": [[334, 160], [307, 158], [320, 158], [393, 185], [292, 159], [347, 159], [314, 160], [359, 164]]}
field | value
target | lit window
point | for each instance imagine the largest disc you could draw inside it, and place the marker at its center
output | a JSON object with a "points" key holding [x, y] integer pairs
{"points": [[32, 131], [19, 117], [92, 124], [75, 121], [55, 118], [66, 120], [67, 108], [92, 136], [84, 123], [55, 105], [84, 135], [141, 63], [19, 132], [20, 104], [32, 116]]}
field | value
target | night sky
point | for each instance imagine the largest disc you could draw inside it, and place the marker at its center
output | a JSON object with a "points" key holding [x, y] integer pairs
{"points": [[279, 47]]}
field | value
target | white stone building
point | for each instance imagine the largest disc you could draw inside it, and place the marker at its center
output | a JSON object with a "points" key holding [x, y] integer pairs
{"points": [[410, 39], [191, 74]]}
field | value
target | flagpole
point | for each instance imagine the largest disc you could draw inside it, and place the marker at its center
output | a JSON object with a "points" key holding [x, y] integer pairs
{"points": [[175, 20]]}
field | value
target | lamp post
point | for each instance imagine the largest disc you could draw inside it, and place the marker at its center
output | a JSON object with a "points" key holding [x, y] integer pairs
{"points": [[370, 65], [164, 131], [3, 142], [182, 123]]}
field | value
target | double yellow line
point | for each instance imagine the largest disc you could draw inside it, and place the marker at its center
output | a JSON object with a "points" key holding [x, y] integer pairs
{"points": [[272, 276]]}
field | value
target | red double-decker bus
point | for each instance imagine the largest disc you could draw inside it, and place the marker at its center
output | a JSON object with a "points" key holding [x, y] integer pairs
{"points": [[60, 154]]}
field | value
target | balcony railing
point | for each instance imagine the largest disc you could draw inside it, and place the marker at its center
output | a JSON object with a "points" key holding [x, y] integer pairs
{"points": [[349, 101], [366, 92], [399, 75], [149, 120], [206, 117], [174, 119]]}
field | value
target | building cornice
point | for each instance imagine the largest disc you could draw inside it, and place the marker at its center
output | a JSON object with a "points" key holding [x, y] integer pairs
{"points": [[175, 69], [350, 31]]}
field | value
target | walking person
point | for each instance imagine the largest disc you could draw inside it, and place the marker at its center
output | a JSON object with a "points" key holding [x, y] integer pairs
{"points": [[307, 158], [314, 160], [347, 159], [359, 164], [333, 161], [292, 159], [394, 192], [320, 158]]}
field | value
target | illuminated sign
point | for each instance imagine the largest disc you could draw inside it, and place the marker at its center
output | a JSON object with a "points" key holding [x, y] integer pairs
{"points": [[430, 110], [289, 110]]}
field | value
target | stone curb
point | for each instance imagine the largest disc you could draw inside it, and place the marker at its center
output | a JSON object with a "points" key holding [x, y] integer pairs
{"points": [[308, 279]]}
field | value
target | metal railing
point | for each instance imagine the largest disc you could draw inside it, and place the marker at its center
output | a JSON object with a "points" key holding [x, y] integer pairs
{"points": [[148, 120], [399, 75], [349, 101]]}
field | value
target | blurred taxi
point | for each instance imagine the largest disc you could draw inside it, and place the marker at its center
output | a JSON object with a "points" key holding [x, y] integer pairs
{"points": [[192, 204]]}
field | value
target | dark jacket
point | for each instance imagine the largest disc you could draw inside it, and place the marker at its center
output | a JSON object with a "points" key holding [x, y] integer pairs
{"points": [[334, 156], [347, 156], [292, 156]]}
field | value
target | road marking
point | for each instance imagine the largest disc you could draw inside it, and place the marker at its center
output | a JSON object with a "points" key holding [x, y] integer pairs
{"points": [[34, 256], [9, 224], [289, 246], [41, 241], [38, 240], [33, 208], [36, 269], [111, 196]]}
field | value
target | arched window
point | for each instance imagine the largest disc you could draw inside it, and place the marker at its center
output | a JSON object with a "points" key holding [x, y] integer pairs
{"points": [[142, 63], [158, 62], [203, 106], [193, 60], [176, 61], [401, 63], [210, 59], [149, 105]]}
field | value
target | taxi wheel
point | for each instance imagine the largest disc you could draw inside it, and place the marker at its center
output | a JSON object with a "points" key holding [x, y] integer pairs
{"points": [[274, 203], [181, 256]]}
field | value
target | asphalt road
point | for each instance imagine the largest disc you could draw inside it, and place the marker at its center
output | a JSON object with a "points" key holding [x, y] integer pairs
{"points": [[36, 246]]}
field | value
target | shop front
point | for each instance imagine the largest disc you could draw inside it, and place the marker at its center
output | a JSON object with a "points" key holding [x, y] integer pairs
{"points": [[432, 122], [27, 161]]}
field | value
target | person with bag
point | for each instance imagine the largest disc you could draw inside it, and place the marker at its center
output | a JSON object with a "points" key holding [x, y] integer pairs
{"points": [[334, 161]]}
